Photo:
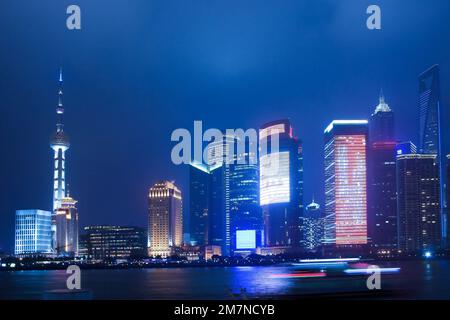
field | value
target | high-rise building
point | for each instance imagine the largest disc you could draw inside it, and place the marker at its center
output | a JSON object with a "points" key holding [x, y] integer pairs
{"points": [[281, 184], [381, 125], [33, 235], [165, 219], [66, 221], [65, 215], [418, 203], [346, 183], [382, 198], [312, 227], [430, 125], [101, 242], [219, 157], [245, 211], [199, 188]]}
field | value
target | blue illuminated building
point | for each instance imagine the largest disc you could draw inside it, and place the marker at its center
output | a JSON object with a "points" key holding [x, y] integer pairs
{"points": [[281, 184], [33, 233], [246, 214]]}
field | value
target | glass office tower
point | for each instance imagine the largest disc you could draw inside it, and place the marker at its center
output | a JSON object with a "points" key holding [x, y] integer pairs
{"points": [[430, 125], [419, 219], [382, 198], [346, 183], [33, 233], [199, 188], [246, 214], [281, 184]]}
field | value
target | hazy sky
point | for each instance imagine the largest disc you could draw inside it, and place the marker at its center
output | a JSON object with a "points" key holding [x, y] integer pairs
{"points": [[139, 69]]}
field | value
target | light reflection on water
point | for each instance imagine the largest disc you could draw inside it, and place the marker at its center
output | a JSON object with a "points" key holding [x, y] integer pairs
{"points": [[424, 280]]}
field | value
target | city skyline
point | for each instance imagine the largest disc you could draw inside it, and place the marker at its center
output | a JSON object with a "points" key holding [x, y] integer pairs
{"points": [[98, 152]]}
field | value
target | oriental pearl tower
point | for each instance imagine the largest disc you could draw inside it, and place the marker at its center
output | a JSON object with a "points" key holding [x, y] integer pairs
{"points": [[60, 144]]}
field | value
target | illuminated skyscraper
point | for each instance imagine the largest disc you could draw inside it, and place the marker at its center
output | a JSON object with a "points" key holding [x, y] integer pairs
{"points": [[382, 199], [381, 126], [33, 233], [430, 124], [165, 219], [281, 184], [219, 157], [245, 211], [66, 221], [346, 183], [419, 219]]}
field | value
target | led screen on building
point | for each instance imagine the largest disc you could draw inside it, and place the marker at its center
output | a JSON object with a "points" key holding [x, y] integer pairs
{"points": [[245, 239], [274, 178]]}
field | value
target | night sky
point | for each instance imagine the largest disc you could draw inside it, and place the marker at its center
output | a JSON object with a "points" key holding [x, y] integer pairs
{"points": [[139, 69]]}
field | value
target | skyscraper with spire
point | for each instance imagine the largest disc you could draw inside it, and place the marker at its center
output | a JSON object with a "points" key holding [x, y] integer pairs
{"points": [[60, 144], [430, 126], [65, 215], [382, 198]]}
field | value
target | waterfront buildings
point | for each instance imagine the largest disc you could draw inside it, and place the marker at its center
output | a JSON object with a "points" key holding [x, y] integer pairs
{"points": [[117, 242], [430, 124], [33, 235], [281, 184], [165, 219], [312, 227], [346, 183], [418, 203], [382, 198]]}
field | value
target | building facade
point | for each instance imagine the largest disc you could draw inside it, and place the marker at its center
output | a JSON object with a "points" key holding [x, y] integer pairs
{"points": [[33, 235], [117, 242], [165, 219], [281, 184], [430, 126], [246, 215], [66, 221], [346, 183], [418, 203], [199, 188]]}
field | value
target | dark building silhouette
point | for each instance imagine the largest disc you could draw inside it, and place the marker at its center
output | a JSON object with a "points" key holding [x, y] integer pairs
{"points": [[281, 184], [430, 125], [382, 198], [199, 188], [101, 242], [418, 203]]}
